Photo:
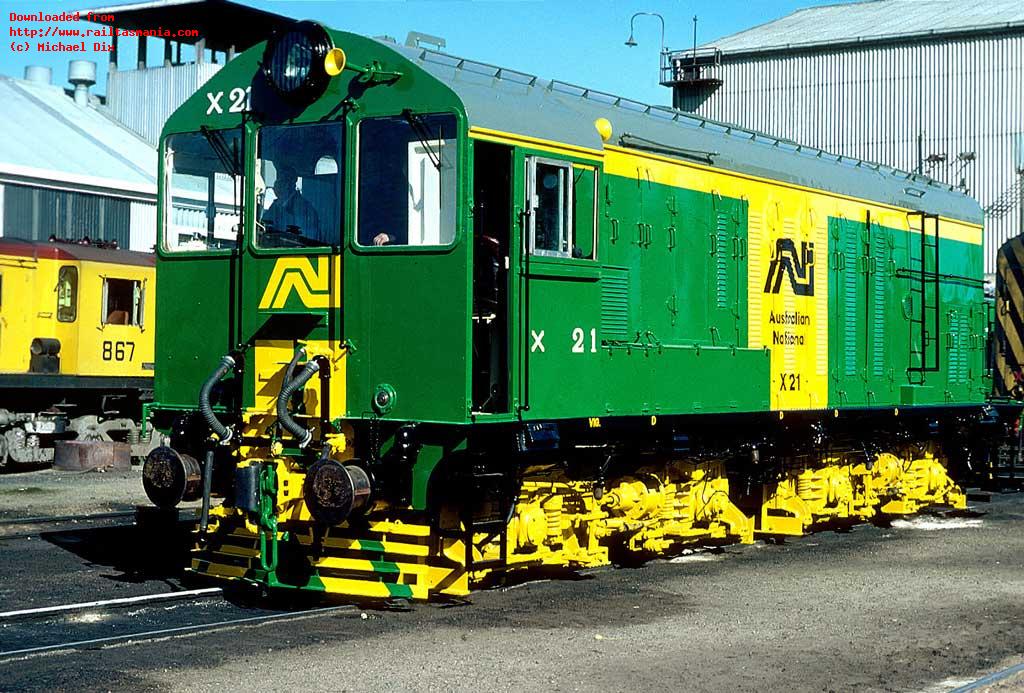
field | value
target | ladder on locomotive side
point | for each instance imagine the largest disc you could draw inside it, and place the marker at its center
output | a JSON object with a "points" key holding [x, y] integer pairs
{"points": [[924, 291]]}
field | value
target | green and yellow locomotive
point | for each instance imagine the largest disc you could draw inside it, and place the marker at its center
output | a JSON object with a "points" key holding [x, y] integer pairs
{"points": [[425, 321]]}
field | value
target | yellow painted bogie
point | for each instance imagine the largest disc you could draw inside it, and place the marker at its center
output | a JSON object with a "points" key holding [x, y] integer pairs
{"points": [[855, 492]]}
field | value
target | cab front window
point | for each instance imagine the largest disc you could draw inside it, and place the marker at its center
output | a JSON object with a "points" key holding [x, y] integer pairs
{"points": [[298, 186], [407, 180], [203, 190]]}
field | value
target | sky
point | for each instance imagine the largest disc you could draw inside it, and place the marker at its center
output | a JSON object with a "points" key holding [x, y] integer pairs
{"points": [[581, 42]]}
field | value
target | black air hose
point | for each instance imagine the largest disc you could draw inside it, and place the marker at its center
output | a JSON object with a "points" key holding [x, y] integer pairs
{"points": [[303, 435], [220, 430], [299, 353]]}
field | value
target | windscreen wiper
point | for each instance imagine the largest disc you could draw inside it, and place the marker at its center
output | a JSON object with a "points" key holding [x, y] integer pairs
{"points": [[419, 128], [221, 149]]}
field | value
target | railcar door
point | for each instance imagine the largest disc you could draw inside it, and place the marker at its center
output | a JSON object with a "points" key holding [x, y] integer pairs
{"points": [[560, 288]]}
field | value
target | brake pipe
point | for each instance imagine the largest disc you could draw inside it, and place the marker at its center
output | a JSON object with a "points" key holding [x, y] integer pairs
{"points": [[222, 432], [290, 387]]}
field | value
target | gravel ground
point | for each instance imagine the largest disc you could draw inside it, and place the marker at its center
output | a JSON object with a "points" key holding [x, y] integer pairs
{"points": [[923, 605], [51, 492]]}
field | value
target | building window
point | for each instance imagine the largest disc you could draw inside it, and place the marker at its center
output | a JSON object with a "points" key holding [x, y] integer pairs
{"points": [[123, 301], [67, 294]]}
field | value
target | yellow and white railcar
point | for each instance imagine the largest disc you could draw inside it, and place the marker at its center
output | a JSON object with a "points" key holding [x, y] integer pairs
{"points": [[76, 345]]}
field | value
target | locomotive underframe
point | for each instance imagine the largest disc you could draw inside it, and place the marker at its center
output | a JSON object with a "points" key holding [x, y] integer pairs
{"points": [[70, 408], [578, 494]]}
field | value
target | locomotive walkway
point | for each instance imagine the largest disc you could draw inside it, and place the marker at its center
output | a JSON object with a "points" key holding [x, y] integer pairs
{"points": [[930, 604]]}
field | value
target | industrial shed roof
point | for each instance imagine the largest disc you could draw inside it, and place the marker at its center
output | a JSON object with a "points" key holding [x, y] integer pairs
{"points": [[876, 21], [220, 23], [45, 135]]}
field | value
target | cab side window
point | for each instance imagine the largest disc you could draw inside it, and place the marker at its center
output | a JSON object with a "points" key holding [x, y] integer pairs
{"points": [[123, 301], [67, 294], [550, 208], [562, 202], [584, 190]]}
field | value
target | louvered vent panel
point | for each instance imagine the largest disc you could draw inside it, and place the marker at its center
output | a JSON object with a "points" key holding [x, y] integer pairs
{"points": [[721, 261], [849, 302], [614, 304]]}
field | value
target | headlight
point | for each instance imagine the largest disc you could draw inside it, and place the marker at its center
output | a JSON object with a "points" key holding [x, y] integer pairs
{"points": [[293, 61]]}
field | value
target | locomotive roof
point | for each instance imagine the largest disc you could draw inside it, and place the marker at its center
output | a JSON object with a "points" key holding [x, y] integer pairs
{"points": [[73, 251], [512, 101]]}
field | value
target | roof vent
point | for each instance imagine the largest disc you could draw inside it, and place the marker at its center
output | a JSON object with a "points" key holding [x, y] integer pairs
{"points": [[37, 74], [82, 73], [417, 39]]}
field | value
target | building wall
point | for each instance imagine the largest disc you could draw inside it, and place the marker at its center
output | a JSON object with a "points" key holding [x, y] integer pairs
{"points": [[36, 213], [957, 95], [143, 226], [144, 99]]}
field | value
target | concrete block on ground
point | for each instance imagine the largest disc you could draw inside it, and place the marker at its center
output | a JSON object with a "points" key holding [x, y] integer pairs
{"points": [[84, 455]]}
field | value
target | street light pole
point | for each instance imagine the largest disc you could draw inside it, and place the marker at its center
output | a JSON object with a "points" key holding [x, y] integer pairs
{"points": [[631, 42]]}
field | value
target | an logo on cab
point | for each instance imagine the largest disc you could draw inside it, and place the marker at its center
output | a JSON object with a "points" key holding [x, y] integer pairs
{"points": [[799, 268], [312, 286]]}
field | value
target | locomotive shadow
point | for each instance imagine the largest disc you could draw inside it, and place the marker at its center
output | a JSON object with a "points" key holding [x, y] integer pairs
{"points": [[132, 553], [527, 576]]}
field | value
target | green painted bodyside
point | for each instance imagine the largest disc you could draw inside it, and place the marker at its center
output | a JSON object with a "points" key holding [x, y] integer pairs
{"points": [[666, 300], [872, 339]]}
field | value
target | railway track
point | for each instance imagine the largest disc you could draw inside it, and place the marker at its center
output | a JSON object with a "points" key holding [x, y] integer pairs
{"points": [[72, 627], [22, 527]]}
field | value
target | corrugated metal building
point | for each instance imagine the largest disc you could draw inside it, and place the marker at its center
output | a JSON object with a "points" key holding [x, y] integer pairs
{"points": [[144, 95], [935, 86], [70, 170]]}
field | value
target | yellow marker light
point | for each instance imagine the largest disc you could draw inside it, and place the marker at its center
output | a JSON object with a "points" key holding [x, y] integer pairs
{"points": [[334, 62], [604, 128]]}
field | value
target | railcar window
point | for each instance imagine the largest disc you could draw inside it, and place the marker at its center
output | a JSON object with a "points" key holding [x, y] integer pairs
{"points": [[407, 180], [298, 185], [67, 294], [551, 218], [123, 301], [203, 190]]}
